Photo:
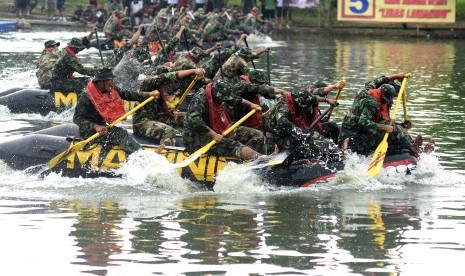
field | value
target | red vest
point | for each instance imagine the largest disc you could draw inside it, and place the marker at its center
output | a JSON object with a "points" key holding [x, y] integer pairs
{"points": [[219, 119], [298, 115], [256, 120], [383, 107], [109, 105]]}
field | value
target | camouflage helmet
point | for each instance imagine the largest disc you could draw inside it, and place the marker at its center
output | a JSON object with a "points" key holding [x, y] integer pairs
{"points": [[319, 84], [258, 76], [50, 43], [102, 74], [388, 92], [197, 53], [304, 99], [76, 43], [245, 52], [222, 91]]}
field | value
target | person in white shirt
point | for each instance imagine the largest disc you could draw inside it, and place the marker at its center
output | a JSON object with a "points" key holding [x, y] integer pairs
{"points": [[137, 12]]}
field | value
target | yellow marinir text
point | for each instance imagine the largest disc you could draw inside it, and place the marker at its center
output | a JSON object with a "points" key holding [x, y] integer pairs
{"points": [[202, 170]]}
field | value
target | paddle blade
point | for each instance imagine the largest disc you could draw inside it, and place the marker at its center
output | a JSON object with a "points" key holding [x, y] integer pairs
{"points": [[377, 161], [60, 157], [195, 155]]}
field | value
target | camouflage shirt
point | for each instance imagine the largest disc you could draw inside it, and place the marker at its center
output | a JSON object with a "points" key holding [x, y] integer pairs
{"points": [[362, 115], [67, 64], [45, 65]]}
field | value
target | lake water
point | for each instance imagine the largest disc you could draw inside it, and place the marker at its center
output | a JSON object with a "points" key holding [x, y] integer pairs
{"points": [[152, 221]]}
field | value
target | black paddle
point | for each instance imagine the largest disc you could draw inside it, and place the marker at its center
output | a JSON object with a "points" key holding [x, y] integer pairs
{"points": [[185, 40], [161, 44], [99, 48], [251, 59]]}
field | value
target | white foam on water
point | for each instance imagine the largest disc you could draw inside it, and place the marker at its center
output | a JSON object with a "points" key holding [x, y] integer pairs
{"points": [[239, 178], [153, 171]]}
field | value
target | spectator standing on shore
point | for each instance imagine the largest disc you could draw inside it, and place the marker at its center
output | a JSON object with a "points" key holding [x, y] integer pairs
{"points": [[247, 5], [61, 6], [137, 12], [21, 6], [282, 12], [51, 9], [269, 7]]}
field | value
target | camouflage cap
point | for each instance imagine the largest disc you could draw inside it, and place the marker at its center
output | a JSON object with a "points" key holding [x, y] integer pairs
{"points": [[50, 43], [319, 84], [303, 98], [388, 92], [102, 74], [245, 52], [76, 43], [197, 53], [222, 91], [258, 76]]}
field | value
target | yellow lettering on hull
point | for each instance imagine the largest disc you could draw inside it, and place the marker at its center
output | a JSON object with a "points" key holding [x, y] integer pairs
{"points": [[64, 100], [202, 170]]}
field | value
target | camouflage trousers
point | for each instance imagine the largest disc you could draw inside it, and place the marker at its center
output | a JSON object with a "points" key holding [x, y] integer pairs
{"points": [[159, 132], [68, 85], [230, 145], [114, 136], [364, 142]]}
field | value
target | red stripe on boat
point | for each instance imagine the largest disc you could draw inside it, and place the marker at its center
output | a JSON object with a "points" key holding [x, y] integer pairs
{"points": [[321, 178]]}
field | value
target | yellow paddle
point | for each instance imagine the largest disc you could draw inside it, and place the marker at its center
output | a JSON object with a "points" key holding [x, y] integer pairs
{"points": [[337, 97], [78, 146], [376, 163], [178, 101], [404, 103], [194, 156]]}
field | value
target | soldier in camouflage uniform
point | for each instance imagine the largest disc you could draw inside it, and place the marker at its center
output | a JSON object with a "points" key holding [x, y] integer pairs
{"points": [[90, 120], [212, 65], [252, 22], [330, 129], [377, 82], [191, 59], [366, 123], [288, 122], [236, 65], [201, 120], [170, 49], [250, 87], [215, 30], [112, 27], [66, 65], [47, 59], [156, 120]]}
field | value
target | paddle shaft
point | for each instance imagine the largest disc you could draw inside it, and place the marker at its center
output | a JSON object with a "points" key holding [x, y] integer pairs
{"points": [[161, 44], [99, 48], [194, 156], [336, 98], [219, 60], [251, 59], [268, 66], [177, 103], [185, 40]]}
